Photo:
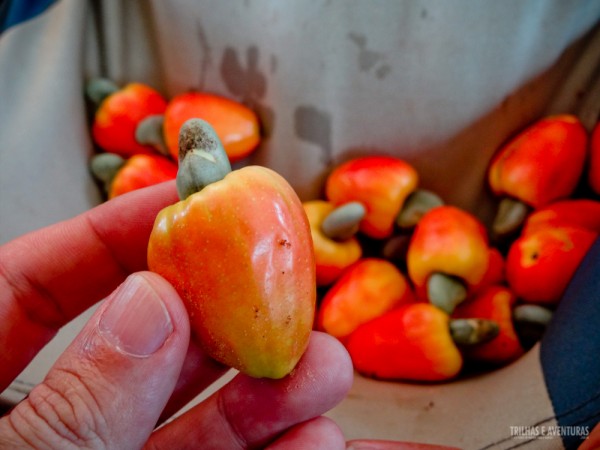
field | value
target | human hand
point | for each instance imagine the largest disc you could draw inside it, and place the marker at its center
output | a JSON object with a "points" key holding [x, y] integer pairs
{"points": [[133, 365]]}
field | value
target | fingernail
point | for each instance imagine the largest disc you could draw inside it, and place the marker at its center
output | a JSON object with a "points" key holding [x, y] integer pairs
{"points": [[136, 320]]}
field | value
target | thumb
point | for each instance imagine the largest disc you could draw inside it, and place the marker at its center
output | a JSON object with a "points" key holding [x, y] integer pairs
{"points": [[109, 387]]}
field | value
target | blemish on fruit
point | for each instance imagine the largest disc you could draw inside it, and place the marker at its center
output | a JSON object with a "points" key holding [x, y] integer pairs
{"points": [[285, 243]]}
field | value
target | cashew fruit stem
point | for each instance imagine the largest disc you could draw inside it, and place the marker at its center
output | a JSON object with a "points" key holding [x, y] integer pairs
{"points": [[342, 223], [445, 291], [473, 331], [97, 89], [530, 322], [150, 132], [416, 205], [532, 314], [105, 166], [202, 158], [510, 216]]}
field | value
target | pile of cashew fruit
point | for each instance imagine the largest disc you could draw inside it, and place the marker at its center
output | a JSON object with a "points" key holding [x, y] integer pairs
{"points": [[416, 289]]}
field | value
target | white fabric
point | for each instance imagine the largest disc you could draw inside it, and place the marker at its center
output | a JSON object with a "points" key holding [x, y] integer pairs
{"points": [[438, 83]]}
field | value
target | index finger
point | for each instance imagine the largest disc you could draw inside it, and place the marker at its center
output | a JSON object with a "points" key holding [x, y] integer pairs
{"points": [[49, 276]]}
